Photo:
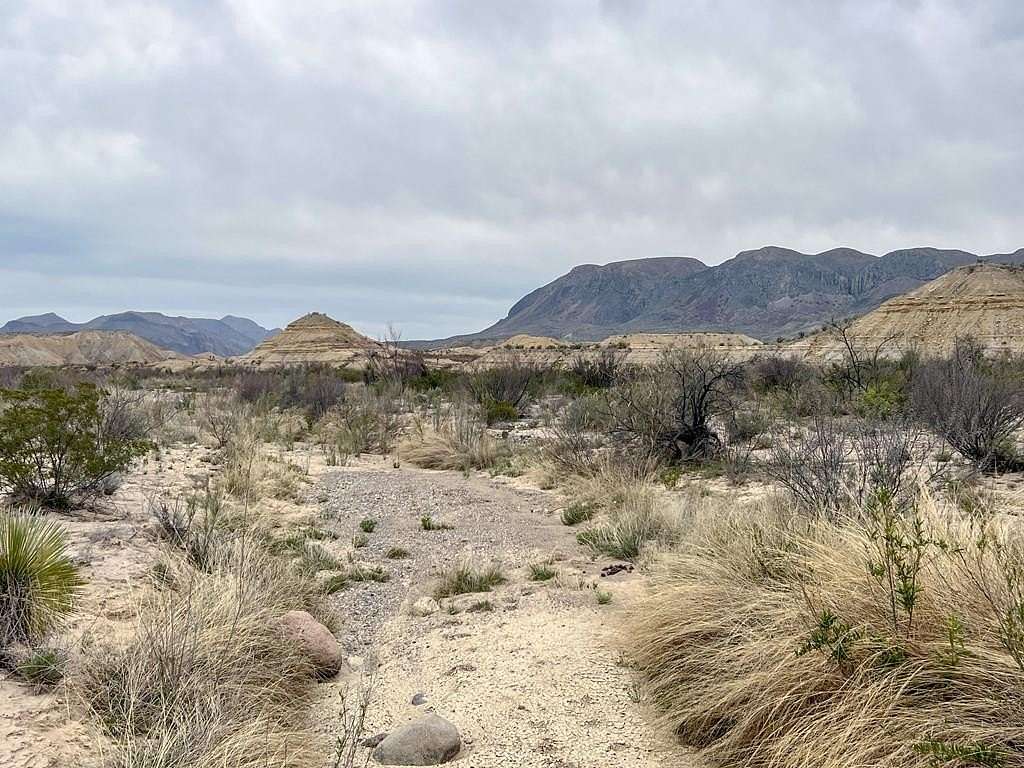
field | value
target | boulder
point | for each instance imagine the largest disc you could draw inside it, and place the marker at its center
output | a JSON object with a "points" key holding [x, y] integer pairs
{"points": [[315, 641], [430, 740]]}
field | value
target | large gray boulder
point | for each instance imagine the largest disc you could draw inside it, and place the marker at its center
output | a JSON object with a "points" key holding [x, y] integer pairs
{"points": [[315, 641], [430, 740]]}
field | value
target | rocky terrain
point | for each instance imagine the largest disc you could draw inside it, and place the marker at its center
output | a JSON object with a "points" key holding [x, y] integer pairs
{"points": [[765, 293], [227, 336]]}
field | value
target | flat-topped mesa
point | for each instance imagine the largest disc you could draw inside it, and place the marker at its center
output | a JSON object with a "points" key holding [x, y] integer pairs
{"points": [[313, 338], [982, 301]]}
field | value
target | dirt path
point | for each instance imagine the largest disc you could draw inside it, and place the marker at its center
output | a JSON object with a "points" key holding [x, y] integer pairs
{"points": [[535, 679]]}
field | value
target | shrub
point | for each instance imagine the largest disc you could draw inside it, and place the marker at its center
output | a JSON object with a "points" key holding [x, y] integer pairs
{"points": [[42, 667], [579, 512], [500, 410], [38, 581], [633, 521], [577, 439], [457, 440], [367, 525], [429, 523], [666, 412], [396, 553], [588, 372], [464, 579], [510, 383], [53, 450], [975, 405], [769, 641], [542, 572]]}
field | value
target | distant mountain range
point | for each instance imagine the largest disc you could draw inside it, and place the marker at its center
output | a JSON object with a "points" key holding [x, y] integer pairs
{"points": [[188, 335], [765, 293]]}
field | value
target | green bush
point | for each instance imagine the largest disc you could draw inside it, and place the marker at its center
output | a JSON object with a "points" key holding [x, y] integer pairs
{"points": [[499, 411], [53, 447], [38, 581]]}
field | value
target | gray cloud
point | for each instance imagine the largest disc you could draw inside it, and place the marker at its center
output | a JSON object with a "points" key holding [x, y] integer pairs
{"points": [[427, 163]]}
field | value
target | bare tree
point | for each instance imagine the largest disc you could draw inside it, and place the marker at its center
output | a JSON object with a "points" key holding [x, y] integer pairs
{"points": [[392, 363], [666, 411], [973, 404]]}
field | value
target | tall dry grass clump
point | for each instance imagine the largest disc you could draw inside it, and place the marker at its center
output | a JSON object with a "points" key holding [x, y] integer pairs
{"points": [[457, 438], [773, 640], [206, 679]]}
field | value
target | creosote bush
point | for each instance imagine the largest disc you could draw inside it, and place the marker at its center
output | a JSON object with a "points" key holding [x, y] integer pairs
{"points": [[54, 450]]}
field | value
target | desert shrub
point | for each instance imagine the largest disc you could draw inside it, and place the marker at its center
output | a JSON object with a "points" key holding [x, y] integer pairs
{"points": [[193, 524], [465, 578], [579, 512], [205, 679], [542, 571], [42, 667], [510, 383], [632, 521], [457, 439], [665, 412], [38, 580], [391, 364], [574, 449], [766, 641], [840, 464], [975, 405], [53, 450], [588, 372], [500, 411], [368, 420], [219, 416]]}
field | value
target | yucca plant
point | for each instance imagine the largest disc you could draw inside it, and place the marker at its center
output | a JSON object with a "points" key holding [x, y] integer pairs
{"points": [[38, 580]]}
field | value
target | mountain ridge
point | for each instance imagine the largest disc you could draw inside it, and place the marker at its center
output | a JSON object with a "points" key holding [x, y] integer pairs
{"points": [[226, 337], [764, 292]]}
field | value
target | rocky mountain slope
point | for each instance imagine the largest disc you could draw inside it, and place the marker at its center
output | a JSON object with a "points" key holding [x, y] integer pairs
{"points": [[983, 301], [100, 348], [764, 293], [313, 338], [188, 335]]}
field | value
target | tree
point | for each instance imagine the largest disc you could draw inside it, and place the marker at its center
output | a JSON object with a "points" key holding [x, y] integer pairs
{"points": [[54, 448]]}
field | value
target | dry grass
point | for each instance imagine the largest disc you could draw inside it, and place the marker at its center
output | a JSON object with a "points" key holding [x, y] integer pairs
{"points": [[456, 440], [205, 680], [767, 640]]}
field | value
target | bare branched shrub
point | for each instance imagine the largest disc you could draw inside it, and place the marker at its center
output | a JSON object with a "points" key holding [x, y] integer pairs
{"points": [[771, 641], [575, 449], [975, 405], [665, 412], [392, 365], [506, 387], [368, 420], [839, 464], [597, 371], [219, 416]]}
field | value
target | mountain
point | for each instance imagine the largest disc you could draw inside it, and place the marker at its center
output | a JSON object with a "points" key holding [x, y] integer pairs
{"points": [[313, 338], [226, 337], [983, 301], [765, 293], [79, 348]]}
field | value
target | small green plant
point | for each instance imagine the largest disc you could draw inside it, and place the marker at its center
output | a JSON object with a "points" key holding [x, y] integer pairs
{"points": [[314, 557], [944, 753], [542, 572], [579, 512], [360, 540], [603, 597], [397, 553], [367, 525], [43, 667], [428, 523], [360, 572], [465, 579], [38, 580], [669, 477], [500, 411], [831, 636], [481, 606]]}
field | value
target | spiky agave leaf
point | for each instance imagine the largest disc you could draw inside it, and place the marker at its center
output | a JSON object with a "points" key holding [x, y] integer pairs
{"points": [[38, 580]]}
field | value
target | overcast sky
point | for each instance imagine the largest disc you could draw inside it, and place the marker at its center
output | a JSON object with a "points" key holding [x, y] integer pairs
{"points": [[428, 163]]}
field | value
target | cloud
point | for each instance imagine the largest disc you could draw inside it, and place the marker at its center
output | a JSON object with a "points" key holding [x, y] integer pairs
{"points": [[427, 163]]}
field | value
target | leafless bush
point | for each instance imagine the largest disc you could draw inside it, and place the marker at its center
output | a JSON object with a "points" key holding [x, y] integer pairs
{"points": [[666, 412], [391, 364], [600, 371], [218, 415], [836, 465], [577, 439], [508, 384], [366, 421], [973, 404]]}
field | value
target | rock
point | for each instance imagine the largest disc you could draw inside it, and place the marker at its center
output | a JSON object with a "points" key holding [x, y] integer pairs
{"points": [[430, 740], [373, 741], [315, 641], [419, 698], [425, 606]]}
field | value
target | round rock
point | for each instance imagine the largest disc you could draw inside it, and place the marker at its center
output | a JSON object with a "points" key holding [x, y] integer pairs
{"points": [[430, 740], [315, 641]]}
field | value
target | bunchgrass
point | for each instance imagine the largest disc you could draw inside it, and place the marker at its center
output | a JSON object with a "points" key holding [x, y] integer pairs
{"points": [[465, 578]]}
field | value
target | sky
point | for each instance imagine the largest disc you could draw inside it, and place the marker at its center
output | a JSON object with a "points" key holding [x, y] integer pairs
{"points": [[426, 164]]}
